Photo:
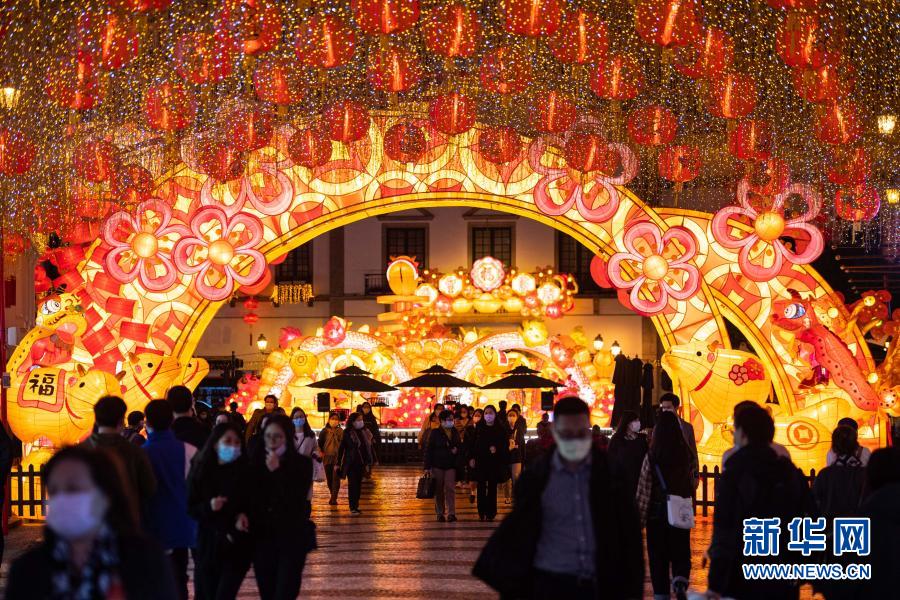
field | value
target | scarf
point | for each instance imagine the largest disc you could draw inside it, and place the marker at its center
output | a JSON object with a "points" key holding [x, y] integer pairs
{"points": [[97, 580]]}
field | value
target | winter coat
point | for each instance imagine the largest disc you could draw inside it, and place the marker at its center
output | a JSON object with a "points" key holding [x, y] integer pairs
{"points": [[517, 435], [330, 443], [276, 501], [166, 517], [439, 453], [216, 533], [190, 431], [491, 466], [354, 452], [838, 490], [372, 425], [137, 466], [626, 457]]}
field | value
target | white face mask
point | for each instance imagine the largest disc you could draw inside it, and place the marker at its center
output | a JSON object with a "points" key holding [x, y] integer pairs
{"points": [[634, 426], [74, 515], [489, 419], [573, 450], [447, 424]]}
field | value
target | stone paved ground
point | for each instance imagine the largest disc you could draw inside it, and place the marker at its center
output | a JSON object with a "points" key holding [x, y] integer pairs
{"points": [[395, 549]]}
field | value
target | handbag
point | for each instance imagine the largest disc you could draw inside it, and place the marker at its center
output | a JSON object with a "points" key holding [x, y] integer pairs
{"points": [[425, 490], [318, 471], [680, 510]]}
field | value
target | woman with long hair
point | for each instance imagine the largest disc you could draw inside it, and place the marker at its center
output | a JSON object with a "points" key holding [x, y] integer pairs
{"points": [[517, 428], [215, 497], [91, 546], [278, 511], [469, 452], [329, 444], [490, 460], [627, 450], [354, 457]]}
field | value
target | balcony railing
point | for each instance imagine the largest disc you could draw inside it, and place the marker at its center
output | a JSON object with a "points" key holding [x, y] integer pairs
{"points": [[376, 284]]}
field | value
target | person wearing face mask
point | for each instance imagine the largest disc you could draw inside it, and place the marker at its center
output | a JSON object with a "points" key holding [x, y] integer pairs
{"points": [[469, 452], [214, 498], [490, 460], [270, 404], [517, 429], [669, 403], [627, 450], [354, 456], [278, 511], [329, 444], [441, 457], [428, 425], [305, 441], [371, 425], [91, 546], [573, 531]]}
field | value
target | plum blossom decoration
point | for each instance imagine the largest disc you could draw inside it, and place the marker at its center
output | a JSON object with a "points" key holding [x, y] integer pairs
{"points": [[762, 251], [141, 245], [218, 249], [268, 200], [661, 265]]}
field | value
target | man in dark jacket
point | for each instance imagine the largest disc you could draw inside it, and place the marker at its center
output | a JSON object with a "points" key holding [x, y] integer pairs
{"points": [[574, 532], [186, 427], [442, 454], [669, 402], [758, 484]]}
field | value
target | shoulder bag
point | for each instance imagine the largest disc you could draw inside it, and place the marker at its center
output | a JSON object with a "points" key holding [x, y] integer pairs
{"points": [[680, 510]]}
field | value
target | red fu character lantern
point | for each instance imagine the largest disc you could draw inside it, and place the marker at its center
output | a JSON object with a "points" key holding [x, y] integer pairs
{"points": [[849, 166], [325, 42], [680, 163], [825, 85], [731, 96], [96, 161], [451, 31], [499, 145], [838, 124], [16, 152], [810, 39], [249, 129], [74, 83], [384, 17], [275, 80], [200, 58], [588, 152], [394, 70], [668, 23], [619, 77], [859, 203], [169, 106], [248, 26], [505, 71], [452, 113], [405, 142], [582, 38], [532, 18], [750, 139], [652, 125], [706, 57], [552, 113], [346, 121], [309, 148]]}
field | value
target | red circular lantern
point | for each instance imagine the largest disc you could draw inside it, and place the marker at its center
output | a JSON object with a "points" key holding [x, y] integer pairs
{"points": [[838, 124], [860, 203], [201, 58], [532, 18], [14, 244], [405, 142], [680, 163], [249, 129], [619, 77], [16, 152], [96, 161], [588, 152], [552, 113], [220, 161], [251, 318], [849, 167], [768, 177], [251, 304], [669, 23], [88, 208], [505, 71], [248, 26], [652, 125], [83, 231], [309, 148], [276, 81], [132, 184], [451, 31], [582, 38], [827, 84], [706, 57], [810, 39], [119, 41], [347, 121], [325, 42], [750, 139], [169, 106], [384, 17], [731, 96], [452, 113], [139, 5], [74, 83], [499, 145], [393, 70], [799, 4]]}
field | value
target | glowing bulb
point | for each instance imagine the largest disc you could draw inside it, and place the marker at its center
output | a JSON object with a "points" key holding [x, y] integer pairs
{"points": [[892, 195], [221, 252], [769, 226], [616, 349], [262, 343], [145, 244], [886, 124], [598, 342], [655, 267]]}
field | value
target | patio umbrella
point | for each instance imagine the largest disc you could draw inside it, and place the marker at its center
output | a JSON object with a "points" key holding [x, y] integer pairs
{"points": [[522, 378], [352, 379], [436, 377]]}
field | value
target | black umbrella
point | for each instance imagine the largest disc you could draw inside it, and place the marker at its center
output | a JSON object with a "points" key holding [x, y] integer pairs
{"points": [[437, 376], [352, 379], [521, 378]]}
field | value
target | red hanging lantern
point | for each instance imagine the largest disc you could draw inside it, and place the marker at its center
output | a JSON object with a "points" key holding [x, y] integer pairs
{"points": [[220, 161], [505, 71], [119, 42], [87, 207], [169, 106], [552, 113], [731, 96], [96, 161], [451, 31], [810, 39], [405, 142], [706, 57], [680, 163], [74, 83], [248, 26], [849, 167], [325, 42], [588, 152], [838, 124], [768, 177], [14, 244], [132, 184], [309, 148], [499, 145], [83, 231], [825, 85], [859, 203], [17, 153], [619, 77], [384, 17], [393, 70], [652, 125], [201, 58], [794, 4], [532, 18], [276, 81], [582, 38], [669, 23], [251, 304], [139, 5], [249, 129], [251, 318], [346, 122], [452, 113], [750, 139]]}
